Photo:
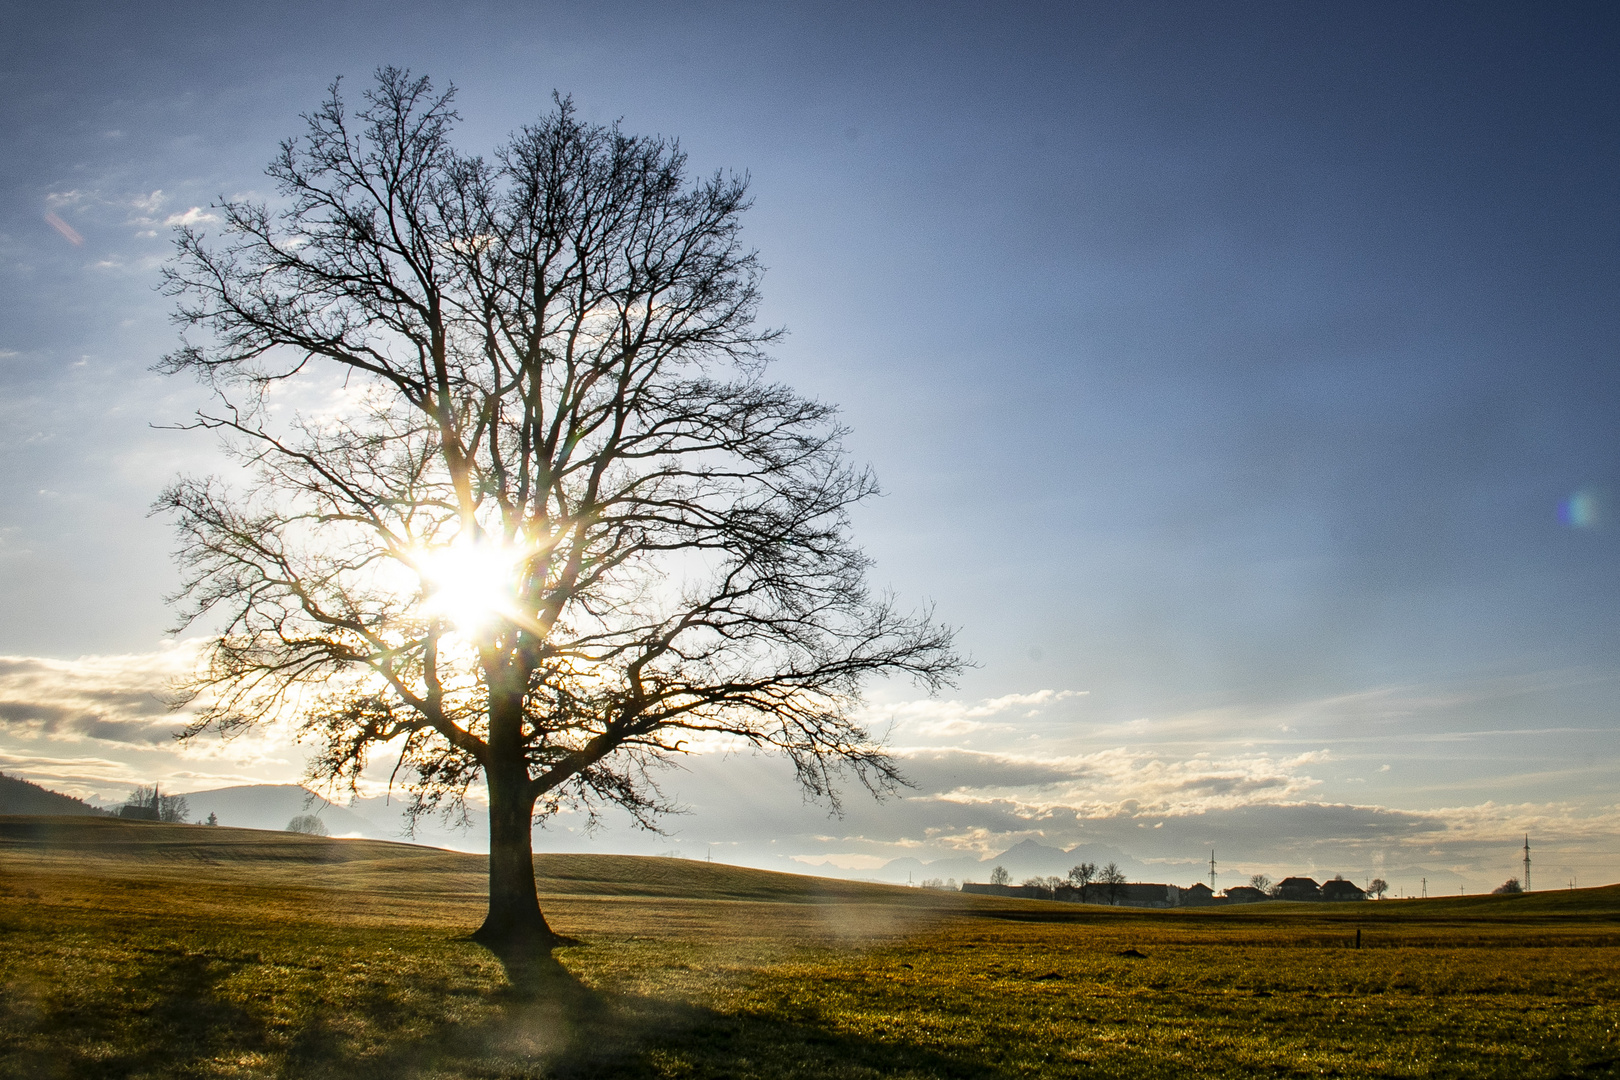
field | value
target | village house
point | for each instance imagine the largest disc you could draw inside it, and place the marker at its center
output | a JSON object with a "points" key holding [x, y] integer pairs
{"points": [[1197, 895], [1340, 889], [1245, 894], [1299, 888], [1145, 895]]}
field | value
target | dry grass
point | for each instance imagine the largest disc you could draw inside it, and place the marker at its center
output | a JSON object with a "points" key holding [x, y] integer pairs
{"points": [[136, 950]]}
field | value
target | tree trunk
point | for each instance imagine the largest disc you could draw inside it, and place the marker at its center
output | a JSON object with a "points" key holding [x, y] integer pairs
{"points": [[514, 920]]}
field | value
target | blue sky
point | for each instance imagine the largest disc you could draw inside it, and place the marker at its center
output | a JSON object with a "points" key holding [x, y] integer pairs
{"points": [[1231, 369]]}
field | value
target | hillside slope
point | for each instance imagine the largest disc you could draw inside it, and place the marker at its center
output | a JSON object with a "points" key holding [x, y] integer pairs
{"points": [[115, 847], [19, 796]]}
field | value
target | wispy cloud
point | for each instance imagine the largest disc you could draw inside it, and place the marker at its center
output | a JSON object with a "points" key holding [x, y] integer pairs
{"points": [[194, 216], [109, 699], [932, 717]]}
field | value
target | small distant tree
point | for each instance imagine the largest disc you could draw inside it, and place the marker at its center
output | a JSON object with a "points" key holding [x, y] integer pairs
{"points": [[213, 818], [1378, 888], [999, 876], [1261, 882], [1082, 876], [309, 825], [950, 884], [1113, 880], [1510, 887]]}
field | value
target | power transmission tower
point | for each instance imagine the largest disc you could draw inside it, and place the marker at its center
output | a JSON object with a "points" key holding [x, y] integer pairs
{"points": [[1425, 888], [1526, 862], [1211, 869]]}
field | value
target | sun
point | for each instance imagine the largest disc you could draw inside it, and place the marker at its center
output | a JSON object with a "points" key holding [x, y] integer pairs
{"points": [[470, 584]]}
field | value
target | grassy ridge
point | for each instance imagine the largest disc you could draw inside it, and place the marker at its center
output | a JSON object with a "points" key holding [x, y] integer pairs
{"points": [[135, 949]]}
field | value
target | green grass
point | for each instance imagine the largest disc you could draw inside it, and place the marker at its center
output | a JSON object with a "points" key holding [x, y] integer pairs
{"points": [[140, 950]]}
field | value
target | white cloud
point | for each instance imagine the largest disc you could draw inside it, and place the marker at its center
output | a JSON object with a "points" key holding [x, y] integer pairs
{"points": [[930, 717], [194, 216], [96, 699]]}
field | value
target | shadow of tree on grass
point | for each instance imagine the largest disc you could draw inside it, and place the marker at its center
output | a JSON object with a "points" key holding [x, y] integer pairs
{"points": [[545, 1023], [186, 1025], [553, 1025]]}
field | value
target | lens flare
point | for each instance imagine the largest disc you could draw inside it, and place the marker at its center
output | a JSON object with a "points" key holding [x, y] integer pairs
{"points": [[1580, 510], [470, 584]]}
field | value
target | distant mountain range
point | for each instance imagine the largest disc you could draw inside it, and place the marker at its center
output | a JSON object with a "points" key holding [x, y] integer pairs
{"points": [[272, 806]]}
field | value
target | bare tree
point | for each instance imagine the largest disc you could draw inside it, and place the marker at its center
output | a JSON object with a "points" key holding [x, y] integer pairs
{"points": [[1113, 879], [1082, 876], [999, 876], [174, 809], [1261, 882], [1378, 887], [309, 825], [542, 524]]}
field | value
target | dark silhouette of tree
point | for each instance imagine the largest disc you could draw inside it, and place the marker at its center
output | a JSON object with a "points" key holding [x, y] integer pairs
{"points": [[999, 876], [213, 819], [309, 825], [1261, 882], [1510, 887], [156, 806], [1113, 881], [1082, 876], [544, 524], [1377, 888]]}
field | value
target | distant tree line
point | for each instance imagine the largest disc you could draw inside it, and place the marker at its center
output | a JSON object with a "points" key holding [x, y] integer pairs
{"points": [[147, 803], [1087, 881], [1090, 883], [19, 796], [1109, 880]]}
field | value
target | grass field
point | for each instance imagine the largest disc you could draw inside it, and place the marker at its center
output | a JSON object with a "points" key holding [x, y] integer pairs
{"points": [[141, 950]]}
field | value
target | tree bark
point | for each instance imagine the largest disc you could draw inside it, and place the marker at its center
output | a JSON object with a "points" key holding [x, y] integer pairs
{"points": [[514, 920]]}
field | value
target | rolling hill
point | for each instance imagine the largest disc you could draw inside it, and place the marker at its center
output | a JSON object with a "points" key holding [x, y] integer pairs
{"points": [[19, 796]]}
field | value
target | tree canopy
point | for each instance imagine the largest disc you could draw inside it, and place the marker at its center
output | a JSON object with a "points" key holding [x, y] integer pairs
{"points": [[518, 502]]}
